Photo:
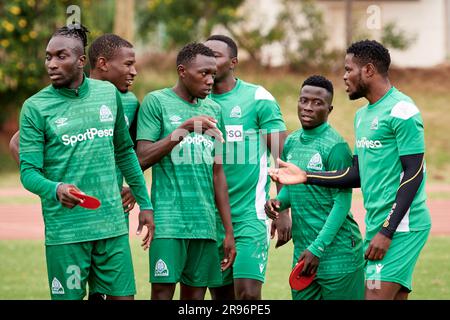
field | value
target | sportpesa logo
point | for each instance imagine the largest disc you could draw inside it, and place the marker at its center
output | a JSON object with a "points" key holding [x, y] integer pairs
{"points": [[369, 144], [90, 134], [198, 140]]}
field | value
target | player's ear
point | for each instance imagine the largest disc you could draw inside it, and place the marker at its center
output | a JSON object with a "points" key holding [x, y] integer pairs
{"points": [[234, 62], [101, 64], [369, 70], [181, 70], [330, 108], [82, 61]]}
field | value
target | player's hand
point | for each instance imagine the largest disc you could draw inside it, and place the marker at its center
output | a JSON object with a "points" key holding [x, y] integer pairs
{"points": [[203, 124], [283, 225], [65, 197], [229, 249], [128, 200], [271, 208], [311, 262], [287, 173], [146, 219], [378, 247]]}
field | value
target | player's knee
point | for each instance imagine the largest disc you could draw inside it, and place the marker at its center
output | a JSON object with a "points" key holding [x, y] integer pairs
{"points": [[248, 294]]}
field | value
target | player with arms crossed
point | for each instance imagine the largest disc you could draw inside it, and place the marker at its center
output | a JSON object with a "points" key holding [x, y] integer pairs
{"points": [[179, 135]]}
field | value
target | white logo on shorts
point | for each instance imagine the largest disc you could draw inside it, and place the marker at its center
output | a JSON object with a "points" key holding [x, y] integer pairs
{"points": [[161, 269], [57, 287], [261, 268], [378, 267]]}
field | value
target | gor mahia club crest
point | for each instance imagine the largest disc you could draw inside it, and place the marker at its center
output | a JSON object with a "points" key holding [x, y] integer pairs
{"points": [[316, 162], [161, 269], [57, 287], [105, 114], [374, 125], [235, 112]]}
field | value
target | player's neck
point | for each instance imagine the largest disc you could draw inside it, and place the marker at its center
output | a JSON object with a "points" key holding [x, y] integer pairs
{"points": [[93, 74], [181, 91], [77, 83], [225, 85], [378, 90]]}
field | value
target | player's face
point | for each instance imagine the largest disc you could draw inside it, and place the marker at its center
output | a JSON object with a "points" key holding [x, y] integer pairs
{"points": [[198, 76], [225, 64], [355, 86], [314, 105], [121, 69], [64, 65]]}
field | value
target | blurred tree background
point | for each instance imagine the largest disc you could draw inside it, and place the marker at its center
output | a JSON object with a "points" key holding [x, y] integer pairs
{"points": [[158, 28]]}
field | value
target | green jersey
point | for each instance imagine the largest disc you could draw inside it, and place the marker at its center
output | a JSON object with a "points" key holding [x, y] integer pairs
{"points": [[321, 217], [249, 111], [182, 181], [76, 137], [384, 131], [130, 106]]}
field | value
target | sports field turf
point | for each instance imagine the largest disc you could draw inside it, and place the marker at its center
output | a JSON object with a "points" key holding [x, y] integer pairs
{"points": [[24, 274]]}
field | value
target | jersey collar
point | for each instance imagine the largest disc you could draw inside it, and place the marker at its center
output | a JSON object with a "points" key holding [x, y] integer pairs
{"points": [[77, 93]]}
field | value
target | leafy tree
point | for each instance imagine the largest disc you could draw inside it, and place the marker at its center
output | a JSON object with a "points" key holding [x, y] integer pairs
{"points": [[25, 28], [305, 35], [183, 21]]}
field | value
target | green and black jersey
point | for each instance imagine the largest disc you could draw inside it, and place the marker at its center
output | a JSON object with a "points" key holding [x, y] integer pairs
{"points": [[321, 217]]}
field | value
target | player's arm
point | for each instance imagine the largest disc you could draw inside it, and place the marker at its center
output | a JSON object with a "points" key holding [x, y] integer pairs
{"points": [[283, 224], [339, 157], [288, 173], [223, 206], [270, 120], [410, 183], [128, 164], [31, 150], [407, 125], [151, 152], [14, 147]]}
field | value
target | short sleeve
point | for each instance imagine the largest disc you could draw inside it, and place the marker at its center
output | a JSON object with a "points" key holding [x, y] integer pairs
{"points": [[407, 125], [268, 111], [149, 122]]}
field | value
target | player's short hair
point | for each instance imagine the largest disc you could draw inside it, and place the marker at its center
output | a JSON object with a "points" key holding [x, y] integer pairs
{"points": [[191, 50], [371, 51], [106, 46], [78, 32], [319, 81], [230, 43]]}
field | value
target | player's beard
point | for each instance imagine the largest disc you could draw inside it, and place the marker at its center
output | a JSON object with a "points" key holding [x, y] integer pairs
{"points": [[360, 90]]}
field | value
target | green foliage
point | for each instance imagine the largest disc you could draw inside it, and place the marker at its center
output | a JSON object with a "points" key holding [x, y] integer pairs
{"points": [[181, 21], [305, 36], [396, 38], [25, 28]]}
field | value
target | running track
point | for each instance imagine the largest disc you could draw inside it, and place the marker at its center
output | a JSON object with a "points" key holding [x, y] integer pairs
{"points": [[24, 221]]}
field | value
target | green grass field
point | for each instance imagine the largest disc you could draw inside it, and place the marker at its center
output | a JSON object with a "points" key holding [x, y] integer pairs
{"points": [[24, 275]]}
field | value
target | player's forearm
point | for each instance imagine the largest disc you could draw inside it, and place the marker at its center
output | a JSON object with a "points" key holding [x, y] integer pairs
{"points": [[129, 167], [342, 179], [337, 216], [33, 179], [283, 197], [275, 143], [221, 197], [14, 147], [149, 152], [410, 183]]}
